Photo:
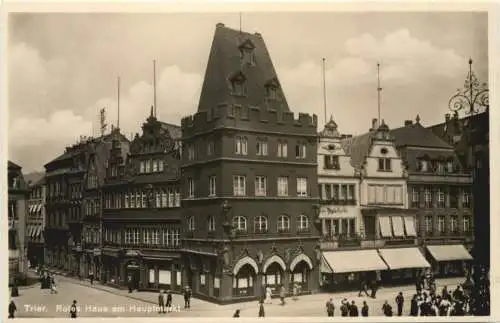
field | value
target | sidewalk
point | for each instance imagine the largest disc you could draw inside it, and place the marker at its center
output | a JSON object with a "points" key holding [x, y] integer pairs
{"points": [[200, 305]]}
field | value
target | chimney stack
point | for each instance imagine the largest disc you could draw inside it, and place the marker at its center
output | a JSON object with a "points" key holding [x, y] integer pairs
{"points": [[408, 123], [374, 124]]}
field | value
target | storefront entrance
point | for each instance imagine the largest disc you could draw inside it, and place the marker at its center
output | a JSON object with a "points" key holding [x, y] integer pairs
{"points": [[132, 271]]}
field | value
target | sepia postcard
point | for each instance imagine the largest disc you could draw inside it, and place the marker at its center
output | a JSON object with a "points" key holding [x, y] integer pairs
{"points": [[287, 162]]}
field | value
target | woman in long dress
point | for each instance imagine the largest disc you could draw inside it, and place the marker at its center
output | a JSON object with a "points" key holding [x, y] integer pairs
{"points": [[269, 293]]}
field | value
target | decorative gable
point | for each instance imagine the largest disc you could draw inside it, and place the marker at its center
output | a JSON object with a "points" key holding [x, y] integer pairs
{"points": [[247, 52]]}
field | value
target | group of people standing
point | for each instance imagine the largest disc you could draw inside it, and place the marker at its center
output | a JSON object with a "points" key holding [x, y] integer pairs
{"points": [[444, 304], [347, 308]]}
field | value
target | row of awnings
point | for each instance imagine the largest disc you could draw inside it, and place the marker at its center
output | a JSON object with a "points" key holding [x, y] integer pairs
{"points": [[35, 231], [388, 259], [397, 226], [35, 208]]}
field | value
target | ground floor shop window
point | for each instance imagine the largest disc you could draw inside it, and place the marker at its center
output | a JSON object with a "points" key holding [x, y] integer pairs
{"points": [[243, 282], [152, 278], [399, 275], [203, 283], [451, 268], [165, 278], [273, 278], [300, 275], [216, 286]]}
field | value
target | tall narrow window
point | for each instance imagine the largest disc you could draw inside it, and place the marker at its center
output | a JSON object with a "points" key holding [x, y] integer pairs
{"points": [[211, 224], [453, 224], [441, 198], [302, 186], [283, 223], [147, 168], [212, 186], [466, 198], [428, 224], [428, 197], [441, 225], [141, 166], [260, 224], [160, 165], [164, 198], [260, 186], [241, 145], [210, 148], [191, 224], [190, 190], [300, 151], [239, 185], [303, 223], [240, 223], [384, 164], [282, 150], [155, 165], [190, 152], [261, 148], [415, 197], [282, 186], [466, 224]]}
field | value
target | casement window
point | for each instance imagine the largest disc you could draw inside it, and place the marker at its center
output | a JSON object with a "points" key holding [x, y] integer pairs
{"points": [[453, 224], [300, 151], [428, 224], [282, 186], [260, 186], [331, 162], [211, 224], [190, 184], [261, 224], [190, 149], [282, 150], [303, 223], [240, 223], [441, 224], [428, 197], [441, 201], [384, 165], [283, 223], [466, 224], [301, 186], [239, 185], [191, 224], [261, 148], [415, 197], [241, 146], [212, 189]]}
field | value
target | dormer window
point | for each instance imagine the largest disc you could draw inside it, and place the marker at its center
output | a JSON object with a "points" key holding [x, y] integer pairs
{"points": [[238, 84], [272, 93], [247, 53]]}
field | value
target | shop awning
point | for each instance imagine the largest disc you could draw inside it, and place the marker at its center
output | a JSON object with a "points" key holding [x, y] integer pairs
{"points": [[31, 208], [351, 261], [410, 226], [449, 252], [404, 258], [397, 226], [38, 231], [385, 226], [30, 231]]}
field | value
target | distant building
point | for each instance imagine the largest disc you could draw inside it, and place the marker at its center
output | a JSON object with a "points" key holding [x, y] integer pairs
{"points": [[249, 179], [439, 190], [141, 211], [18, 193], [36, 223]]}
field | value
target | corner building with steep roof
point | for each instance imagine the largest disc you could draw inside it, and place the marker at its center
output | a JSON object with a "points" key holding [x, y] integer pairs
{"points": [[249, 180]]}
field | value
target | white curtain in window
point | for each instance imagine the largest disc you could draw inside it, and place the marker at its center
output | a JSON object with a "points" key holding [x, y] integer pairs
{"points": [[152, 276], [164, 277]]}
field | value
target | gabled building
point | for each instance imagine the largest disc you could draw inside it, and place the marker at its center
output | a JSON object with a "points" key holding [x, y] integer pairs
{"points": [[88, 250], [18, 193], [35, 224], [385, 248], [249, 179], [338, 191], [141, 210], [439, 189]]}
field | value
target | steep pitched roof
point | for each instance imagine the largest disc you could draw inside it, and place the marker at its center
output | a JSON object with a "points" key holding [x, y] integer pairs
{"points": [[415, 135], [13, 165], [225, 60], [358, 148], [174, 130]]}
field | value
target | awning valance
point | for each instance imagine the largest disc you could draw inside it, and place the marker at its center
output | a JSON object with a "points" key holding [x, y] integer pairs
{"points": [[449, 252], [403, 258], [410, 226], [385, 226], [352, 261], [397, 226]]}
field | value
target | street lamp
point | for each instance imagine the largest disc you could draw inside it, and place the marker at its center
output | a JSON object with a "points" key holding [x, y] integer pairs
{"points": [[470, 100]]}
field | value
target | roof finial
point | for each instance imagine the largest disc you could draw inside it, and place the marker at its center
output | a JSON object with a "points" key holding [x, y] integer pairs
{"points": [[152, 111], [417, 119]]}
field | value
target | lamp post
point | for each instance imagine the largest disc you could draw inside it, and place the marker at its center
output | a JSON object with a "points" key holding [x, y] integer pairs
{"points": [[469, 100]]}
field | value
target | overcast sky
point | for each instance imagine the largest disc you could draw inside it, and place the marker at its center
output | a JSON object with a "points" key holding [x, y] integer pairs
{"points": [[63, 68]]}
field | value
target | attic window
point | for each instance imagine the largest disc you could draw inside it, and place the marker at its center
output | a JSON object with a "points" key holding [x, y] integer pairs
{"points": [[238, 87], [247, 56], [272, 92]]}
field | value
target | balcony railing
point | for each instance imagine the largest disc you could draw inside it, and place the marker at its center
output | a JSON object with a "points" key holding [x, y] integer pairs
{"points": [[338, 202]]}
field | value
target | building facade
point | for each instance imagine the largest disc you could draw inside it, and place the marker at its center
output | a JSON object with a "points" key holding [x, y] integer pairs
{"points": [[18, 193], [141, 210], [382, 246], [249, 180], [36, 224], [439, 190], [89, 249]]}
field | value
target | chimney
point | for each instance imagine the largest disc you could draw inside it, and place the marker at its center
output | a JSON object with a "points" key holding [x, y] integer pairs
{"points": [[408, 123], [374, 124], [447, 117], [220, 25]]}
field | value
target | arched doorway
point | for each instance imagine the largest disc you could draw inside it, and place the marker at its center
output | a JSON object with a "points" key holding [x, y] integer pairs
{"points": [[301, 268], [274, 273], [244, 274]]}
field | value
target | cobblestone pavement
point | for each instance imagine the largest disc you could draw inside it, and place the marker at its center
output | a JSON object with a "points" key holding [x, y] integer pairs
{"points": [[104, 301]]}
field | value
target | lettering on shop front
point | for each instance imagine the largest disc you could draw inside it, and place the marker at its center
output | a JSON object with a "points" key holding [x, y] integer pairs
{"points": [[333, 210]]}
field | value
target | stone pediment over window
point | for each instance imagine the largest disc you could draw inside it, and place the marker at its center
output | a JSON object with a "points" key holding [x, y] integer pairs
{"points": [[237, 83], [246, 44]]}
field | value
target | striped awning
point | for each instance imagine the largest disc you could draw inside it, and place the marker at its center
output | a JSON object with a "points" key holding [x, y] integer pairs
{"points": [[449, 252], [351, 261], [403, 258]]}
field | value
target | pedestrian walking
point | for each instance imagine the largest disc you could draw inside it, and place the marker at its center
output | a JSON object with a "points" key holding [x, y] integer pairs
{"points": [[330, 308], [130, 284], [414, 305], [400, 302], [73, 310], [374, 288], [236, 313], [161, 302], [269, 293], [169, 301], [295, 292], [53, 287], [12, 309], [387, 309], [187, 297], [282, 294], [91, 277], [353, 309], [262, 313], [363, 288], [364, 309]]}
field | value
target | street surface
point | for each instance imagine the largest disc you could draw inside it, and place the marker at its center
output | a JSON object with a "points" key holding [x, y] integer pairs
{"points": [[104, 301]]}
